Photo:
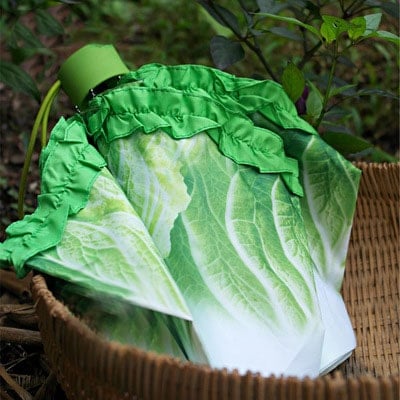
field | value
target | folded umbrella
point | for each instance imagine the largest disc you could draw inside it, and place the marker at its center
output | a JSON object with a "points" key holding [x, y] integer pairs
{"points": [[245, 214]]}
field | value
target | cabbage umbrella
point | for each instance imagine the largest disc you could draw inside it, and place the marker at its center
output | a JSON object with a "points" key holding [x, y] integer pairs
{"points": [[206, 203]]}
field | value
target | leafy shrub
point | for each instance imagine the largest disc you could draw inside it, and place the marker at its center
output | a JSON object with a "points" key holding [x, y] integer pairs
{"points": [[316, 49], [21, 38], [147, 31], [332, 57]]}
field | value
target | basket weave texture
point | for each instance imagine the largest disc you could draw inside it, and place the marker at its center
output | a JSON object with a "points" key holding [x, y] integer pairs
{"points": [[89, 367]]}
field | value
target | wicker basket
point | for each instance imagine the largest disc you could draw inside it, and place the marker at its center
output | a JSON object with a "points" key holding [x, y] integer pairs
{"points": [[88, 367]]}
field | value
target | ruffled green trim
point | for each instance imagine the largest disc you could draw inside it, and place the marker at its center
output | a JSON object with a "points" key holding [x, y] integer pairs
{"points": [[236, 93], [132, 108], [69, 167]]}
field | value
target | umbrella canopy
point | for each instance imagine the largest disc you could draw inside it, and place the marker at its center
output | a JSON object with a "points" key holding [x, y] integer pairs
{"points": [[205, 201]]}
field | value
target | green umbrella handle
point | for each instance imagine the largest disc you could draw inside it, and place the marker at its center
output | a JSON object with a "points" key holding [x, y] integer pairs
{"points": [[40, 120], [87, 68]]}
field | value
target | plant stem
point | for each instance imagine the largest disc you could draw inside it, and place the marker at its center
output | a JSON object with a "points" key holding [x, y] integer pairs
{"points": [[254, 47], [360, 10], [243, 6], [329, 85], [341, 3], [348, 11], [38, 121]]}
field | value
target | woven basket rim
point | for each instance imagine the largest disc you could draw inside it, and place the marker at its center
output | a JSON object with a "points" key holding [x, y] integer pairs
{"points": [[41, 293]]}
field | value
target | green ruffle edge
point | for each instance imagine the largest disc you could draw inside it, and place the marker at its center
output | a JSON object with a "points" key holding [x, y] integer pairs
{"points": [[236, 93], [69, 166], [201, 103]]}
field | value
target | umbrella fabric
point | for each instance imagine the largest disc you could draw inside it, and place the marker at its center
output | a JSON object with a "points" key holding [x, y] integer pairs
{"points": [[219, 205], [330, 181]]}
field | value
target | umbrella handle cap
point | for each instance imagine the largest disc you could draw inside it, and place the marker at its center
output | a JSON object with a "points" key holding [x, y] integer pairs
{"points": [[87, 68]]}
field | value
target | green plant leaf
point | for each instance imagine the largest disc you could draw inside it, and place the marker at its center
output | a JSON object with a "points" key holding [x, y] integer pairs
{"points": [[222, 15], [270, 6], [314, 103], [215, 25], [336, 113], [379, 155], [372, 22], [249, 6], [23, 33], [15, 77], [225, 52], [346, 144], [334, 126], [377, 92], [388, 36], [47, 24], [333, 27], [20, 54], [285, 33], [357, 27], [371, 31], [344, 90], [291, 20], [293, 82]]}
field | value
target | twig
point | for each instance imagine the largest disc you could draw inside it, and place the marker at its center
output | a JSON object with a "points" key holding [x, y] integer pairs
{"points": [[16, 308], [24, 314], [20, 336], [19, 390], [19, 287], [256, 49], [347, 11], [329, 85]]}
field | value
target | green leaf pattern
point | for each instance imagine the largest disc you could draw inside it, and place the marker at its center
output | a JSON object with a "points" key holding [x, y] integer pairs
{"points": [[153, 183], [107, 247], [233, 253], [328, 208]]}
